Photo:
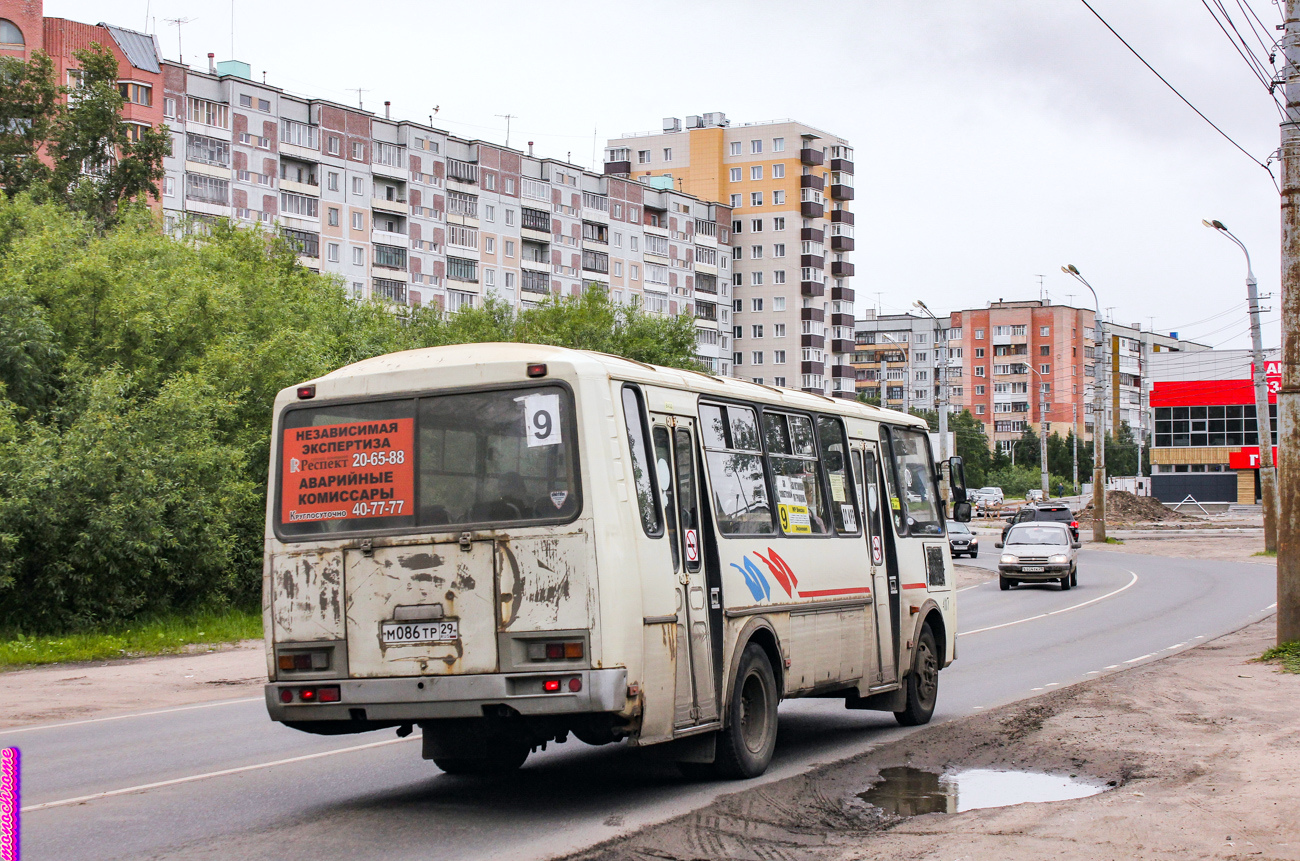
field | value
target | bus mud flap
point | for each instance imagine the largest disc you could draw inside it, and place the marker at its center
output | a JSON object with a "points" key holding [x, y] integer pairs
{"points": [[701, 748], [885, 701]]}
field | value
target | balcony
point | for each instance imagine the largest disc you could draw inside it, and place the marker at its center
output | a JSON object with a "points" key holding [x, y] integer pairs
{"points": [[842, 268], [395, 205], [842, 320], [811, 234], [841, 345], [812, 261], [706, 311], [841, 243], [841, 294], [816, 314], [808, 209], [841, 216], [841, 165], [812, 288], [841, 192], [614, 168], [817, 342], [845, 371], [534, 282], [811, 156], [817, 368], [809, 180]]}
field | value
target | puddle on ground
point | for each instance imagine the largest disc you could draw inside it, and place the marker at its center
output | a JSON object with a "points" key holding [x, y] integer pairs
{"points": [[907, 791]]}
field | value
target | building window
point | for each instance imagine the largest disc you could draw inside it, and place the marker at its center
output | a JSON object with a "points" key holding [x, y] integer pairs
{"points": [[358, 221], [1044, 331], [332, 252], [332, 145], [643, 156], [778, 250], [755, 252], [207, 189], [209, 113], [979, 409], [1044, 369], [979, 334], [358, 185], [333, 216], [358, 151], [169, 186], [489, 213], [462, 270], [735, 174], [136, 94], [756, 225], [756, 198], [358, 257], [735, 147], [757, 331], [756, 357], [778, 171], [735, 201], [668, 153], [756, 172], [332, 181], [756, 147], [778, 198], [979, 370], [756, 279]]}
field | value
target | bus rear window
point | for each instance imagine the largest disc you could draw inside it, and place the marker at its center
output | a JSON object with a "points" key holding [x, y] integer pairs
{"points": [[441, 462]]}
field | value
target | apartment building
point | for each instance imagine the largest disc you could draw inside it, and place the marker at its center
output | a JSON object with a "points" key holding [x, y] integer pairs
{"points": [[913, 350], [24, 30], [413, 215], [788, 186]]}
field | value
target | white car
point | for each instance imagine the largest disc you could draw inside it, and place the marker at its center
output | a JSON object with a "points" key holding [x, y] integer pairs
{"points": [[1040, 551], [987, 496]]}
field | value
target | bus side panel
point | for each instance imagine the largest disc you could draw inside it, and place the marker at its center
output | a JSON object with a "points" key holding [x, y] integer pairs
{"points": [[826, 647], [545, 583], [306, 596]]}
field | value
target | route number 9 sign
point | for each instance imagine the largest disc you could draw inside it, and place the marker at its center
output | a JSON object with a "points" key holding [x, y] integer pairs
{"points": [[542, 420]]}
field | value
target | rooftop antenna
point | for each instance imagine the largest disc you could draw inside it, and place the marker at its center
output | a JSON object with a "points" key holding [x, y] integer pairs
{"points": [[1040, 286], [180, 51], [435, 110], [358, 91], [879, 310], [507, 118], [232, 29]]}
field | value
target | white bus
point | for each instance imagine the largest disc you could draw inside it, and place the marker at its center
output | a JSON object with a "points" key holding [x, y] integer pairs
{"points": [[509, 543]]}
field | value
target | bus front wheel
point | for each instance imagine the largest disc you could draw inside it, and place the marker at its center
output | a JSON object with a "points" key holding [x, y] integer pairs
{"points": [[745, 746], [922, 682]]}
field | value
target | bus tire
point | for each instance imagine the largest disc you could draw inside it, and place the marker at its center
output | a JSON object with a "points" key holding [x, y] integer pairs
{"points": [[745, 746], [502, 760], [922, 682]]}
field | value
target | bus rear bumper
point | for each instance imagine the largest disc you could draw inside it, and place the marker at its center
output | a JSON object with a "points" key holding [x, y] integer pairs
{"points": [[432, 697]]}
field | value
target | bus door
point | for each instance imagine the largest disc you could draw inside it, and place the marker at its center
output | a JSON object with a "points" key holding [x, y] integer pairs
{"points": [[884, 565], [674, 444]]}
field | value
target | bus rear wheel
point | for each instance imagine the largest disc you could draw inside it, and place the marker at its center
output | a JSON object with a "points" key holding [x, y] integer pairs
{"points": [[745, 746], [922, 682], [502, 760]]}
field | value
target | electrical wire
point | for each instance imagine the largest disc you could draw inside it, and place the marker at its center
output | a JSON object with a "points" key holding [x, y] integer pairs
{"points": [[1249, 12], [1263, 75], [1184, 99]]}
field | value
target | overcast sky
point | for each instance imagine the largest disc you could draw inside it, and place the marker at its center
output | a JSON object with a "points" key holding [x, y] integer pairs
{"points": [[995, 139]]}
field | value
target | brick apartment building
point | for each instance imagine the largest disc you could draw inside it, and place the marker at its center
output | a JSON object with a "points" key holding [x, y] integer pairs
{"points": [[789, 186], [913, 351], [399, 210]]}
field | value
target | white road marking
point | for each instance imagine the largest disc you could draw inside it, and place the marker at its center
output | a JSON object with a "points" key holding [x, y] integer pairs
{"points": [[1199, 637], [1035, 689], [1055, 612], [4, 731], [1112, 666], [1092, 672], [1175, 646], [1135, 660], [193, 777], [976, 586], [1052, 684]]}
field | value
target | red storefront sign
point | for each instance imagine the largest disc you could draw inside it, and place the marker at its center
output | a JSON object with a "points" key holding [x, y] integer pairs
{"points": [[1247, 457]]}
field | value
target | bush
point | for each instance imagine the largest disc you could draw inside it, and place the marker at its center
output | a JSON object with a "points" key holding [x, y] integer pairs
{"points": [[1016, 480]]}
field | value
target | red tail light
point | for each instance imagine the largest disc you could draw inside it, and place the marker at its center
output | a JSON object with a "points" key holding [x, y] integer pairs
{"points": [[575, 684], [1074, 524], [551, 685], [306, 392], [307, 695], [286, 695], [327, 694]]}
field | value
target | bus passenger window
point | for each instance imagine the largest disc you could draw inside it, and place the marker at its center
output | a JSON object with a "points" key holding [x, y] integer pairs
{"points": [[792, 452], [735, 463], [914, 476], [634, 418], [834, 453]]}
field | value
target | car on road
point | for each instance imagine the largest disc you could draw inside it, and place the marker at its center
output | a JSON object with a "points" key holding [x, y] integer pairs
{"points": [[1046, 511], [1033, 495], [1038, 552], [962, 540], [987, 496]]}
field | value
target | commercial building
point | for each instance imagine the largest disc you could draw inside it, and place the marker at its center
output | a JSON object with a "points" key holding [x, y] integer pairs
{"points": [[1206, 440], [789, 186], [913, 351]]}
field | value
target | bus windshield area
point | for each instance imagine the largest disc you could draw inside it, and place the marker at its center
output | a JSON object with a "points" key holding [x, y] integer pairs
{"points": [[486, 458]]}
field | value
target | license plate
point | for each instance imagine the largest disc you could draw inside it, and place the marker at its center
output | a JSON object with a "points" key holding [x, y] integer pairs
{"points": [[396, 633], [1032, 569]]}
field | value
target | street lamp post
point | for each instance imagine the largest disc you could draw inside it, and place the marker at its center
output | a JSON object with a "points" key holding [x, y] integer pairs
{"points": [[1098, 418], [1042, 429], [1263, 423]]}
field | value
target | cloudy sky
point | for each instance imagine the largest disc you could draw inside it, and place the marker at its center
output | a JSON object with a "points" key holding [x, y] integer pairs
{"points": [[995, 139]]}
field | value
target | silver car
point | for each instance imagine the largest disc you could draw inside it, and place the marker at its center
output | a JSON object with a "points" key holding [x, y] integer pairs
{"points": [[1040, 551]]}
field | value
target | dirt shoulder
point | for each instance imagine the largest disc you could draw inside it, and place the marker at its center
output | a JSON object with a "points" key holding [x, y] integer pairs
{"points": [[80, 691], [1231, 548], [1202, 747]]}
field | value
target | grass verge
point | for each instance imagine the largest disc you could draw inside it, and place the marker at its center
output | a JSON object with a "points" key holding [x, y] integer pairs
{"points": [[1110, 540], [158, 636], [1271, 554], [1287, 654]]}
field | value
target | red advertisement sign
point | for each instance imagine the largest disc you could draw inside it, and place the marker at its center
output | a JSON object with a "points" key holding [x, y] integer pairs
{"points": [[1247, 457], [348, 471]]}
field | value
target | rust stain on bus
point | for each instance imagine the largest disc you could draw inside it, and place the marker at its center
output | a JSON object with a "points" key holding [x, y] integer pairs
{"points": [[306, 595]]}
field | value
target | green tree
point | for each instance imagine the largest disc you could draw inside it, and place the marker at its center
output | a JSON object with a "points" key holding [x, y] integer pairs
{"points": [[94, 166], [1121, 452], [972, 445], [1027, 448]]}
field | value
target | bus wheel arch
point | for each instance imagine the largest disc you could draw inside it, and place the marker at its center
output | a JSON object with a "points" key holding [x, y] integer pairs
{"points": [[757, 630], [931, 616]]}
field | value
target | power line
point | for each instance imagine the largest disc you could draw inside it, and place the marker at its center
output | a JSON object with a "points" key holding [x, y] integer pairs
{"points": [[1263, 75], [1174, 90]]}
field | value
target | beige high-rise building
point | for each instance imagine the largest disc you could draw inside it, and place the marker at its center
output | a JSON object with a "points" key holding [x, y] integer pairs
{"points": [[789, 186]]}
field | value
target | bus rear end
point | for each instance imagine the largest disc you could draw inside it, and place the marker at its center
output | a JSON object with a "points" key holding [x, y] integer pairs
{"points": [[429, 562]]}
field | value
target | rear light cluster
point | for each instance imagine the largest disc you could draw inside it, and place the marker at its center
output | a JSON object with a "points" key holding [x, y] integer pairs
{"points": [[554, 686], [322, 694], [562, 651], [304, 661], [1074, 524]]}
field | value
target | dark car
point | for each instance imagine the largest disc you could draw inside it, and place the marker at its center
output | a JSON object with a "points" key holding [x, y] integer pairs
{"points": [[962, 540], [1057, 512]]}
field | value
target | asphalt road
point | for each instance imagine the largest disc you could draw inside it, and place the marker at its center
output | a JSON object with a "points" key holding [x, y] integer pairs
{"points": [[220, 780]]}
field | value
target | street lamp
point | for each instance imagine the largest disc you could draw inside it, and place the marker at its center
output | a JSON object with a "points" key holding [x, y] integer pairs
{"points": [[1098, 419], [1263, 422], [943, 387], [1042, 430]]}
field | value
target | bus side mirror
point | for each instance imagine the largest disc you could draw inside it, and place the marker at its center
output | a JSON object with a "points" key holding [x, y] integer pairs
{"points": [[957, 484], [961, 511]]}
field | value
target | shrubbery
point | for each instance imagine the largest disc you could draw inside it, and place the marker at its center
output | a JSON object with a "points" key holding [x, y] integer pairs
{"points": [[137, 374]]}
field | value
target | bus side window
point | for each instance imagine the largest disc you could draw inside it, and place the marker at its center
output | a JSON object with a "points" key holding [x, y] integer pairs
{"points": [[913, 492], [734, 456], [834, 459], [792, 455], [897, 514], [642, 474], [664, 473]]}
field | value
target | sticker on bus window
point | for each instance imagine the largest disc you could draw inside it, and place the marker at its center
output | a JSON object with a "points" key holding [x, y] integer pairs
{"points": [[348, 471], [541, 419], [850, 518], [791, 491], [794, 519], [837, 487]]}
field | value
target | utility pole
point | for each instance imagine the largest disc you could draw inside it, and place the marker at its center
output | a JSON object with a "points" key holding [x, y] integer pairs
{"points": [[1042, 437], [1074, 448], [1263, 425], [1098, 409], [1288, 398]]}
